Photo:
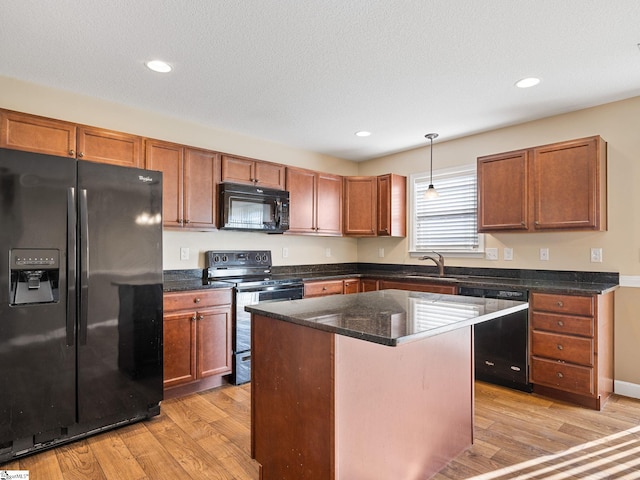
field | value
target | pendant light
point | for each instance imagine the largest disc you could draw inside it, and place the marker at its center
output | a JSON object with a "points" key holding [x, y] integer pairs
{"points": [[431, 192]]}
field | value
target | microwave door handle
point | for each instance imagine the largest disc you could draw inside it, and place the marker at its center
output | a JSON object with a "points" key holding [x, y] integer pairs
{"points": [[278, 212]]}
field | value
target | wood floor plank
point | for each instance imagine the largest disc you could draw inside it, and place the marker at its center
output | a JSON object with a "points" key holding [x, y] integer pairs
{"points": [[115, 459], [77, 462]]}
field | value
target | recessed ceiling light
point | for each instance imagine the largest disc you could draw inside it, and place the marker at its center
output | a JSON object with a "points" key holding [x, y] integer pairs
{"points": [[159, 66], [527, 82], [363, 133]]}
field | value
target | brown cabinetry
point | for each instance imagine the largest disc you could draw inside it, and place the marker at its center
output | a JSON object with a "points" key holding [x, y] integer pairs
{"points": [[190, 182], [368, 285], [197, 338], [21, 131], [572, 347], [321, 288], [392, 205], [315, 202], [253, 172], [561, 186], [360, 206], [429, 287]]}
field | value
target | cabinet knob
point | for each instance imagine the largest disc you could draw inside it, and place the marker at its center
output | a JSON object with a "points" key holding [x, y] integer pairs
{"points": [[194, 317], [72, 153], [80, 154], [560, 347], [560, 323], [187, 221], [559, 375], [324, 288], [560, 303], [200, 317], [196, 300], [522, 223]]}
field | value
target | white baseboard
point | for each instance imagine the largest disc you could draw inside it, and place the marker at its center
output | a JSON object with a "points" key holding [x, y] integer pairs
{"points": [[627, 389]]}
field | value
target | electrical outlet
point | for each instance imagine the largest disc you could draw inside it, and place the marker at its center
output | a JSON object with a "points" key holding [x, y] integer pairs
{"points": [[184, 253], [596, 255], [381, 252], [327, 252], [491, 253], [285, 252], [507, 253], [544, 254]]}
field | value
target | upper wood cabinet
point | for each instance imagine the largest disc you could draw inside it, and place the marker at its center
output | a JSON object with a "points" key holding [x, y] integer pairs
{"points": [[360, 206], [561, 186], [189, 185], [392, 205], [315, 202], [21, 131], [253, 172]]}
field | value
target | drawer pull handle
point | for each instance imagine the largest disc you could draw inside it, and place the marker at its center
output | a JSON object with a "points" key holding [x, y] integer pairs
{"points": [[560, 323], [560, 347], [560, 375], [560, 303], [487, 362], [196, 300]]}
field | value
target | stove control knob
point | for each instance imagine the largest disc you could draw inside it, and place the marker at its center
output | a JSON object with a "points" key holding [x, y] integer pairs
{"points": [[224, 258], [216, 258]]}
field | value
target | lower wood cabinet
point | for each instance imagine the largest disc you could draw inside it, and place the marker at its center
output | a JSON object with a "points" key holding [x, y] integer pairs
{"points": [[197, 339], [321, 288], [571, 345]]}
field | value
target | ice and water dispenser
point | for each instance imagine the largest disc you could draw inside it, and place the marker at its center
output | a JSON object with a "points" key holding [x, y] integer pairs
{"points": [[34, 275]]}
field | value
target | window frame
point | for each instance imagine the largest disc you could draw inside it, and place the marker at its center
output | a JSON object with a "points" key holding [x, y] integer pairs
{"points": [[439, 174]]}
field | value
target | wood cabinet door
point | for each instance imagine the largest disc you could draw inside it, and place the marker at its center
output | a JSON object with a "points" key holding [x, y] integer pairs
{"points": [[169, 159], [368, 285], [179, 361], [392, 205], [106, 146], [569, 178], [301, 184], [270, 175], [201, 178], [214, 341], [360, 206], [418, 287], [329, 204], [503, 192], [238, 170], [351, 285], [21, 131]]}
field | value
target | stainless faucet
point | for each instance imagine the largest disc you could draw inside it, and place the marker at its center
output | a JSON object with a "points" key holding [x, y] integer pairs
{"points": [[438, 261]]}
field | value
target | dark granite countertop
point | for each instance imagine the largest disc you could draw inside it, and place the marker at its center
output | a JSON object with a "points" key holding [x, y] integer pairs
{"points": [[388, 317], [550, 281]]}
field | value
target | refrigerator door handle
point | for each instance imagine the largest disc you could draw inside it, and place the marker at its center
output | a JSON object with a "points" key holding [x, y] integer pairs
{"points": [[71, 266], [84, 268]]}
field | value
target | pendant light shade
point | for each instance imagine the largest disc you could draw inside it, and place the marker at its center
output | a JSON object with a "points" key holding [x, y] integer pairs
{"points": [[431, 192]]}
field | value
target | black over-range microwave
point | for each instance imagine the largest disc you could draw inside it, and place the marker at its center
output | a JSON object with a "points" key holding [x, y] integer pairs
{"points": [[249, 207]]}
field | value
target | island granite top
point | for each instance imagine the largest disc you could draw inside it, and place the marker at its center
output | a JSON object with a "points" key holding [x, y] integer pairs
{"points": [[388, 317]]}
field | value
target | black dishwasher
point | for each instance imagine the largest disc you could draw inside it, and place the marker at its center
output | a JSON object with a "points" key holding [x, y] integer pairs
{"points": [[501, 345]]}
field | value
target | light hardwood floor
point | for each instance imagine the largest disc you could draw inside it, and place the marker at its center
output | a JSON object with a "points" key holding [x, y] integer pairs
{"points": [[206, 436]]}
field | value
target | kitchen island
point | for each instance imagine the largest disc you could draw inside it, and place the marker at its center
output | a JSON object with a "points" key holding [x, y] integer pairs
{"points": [[373, 385]]}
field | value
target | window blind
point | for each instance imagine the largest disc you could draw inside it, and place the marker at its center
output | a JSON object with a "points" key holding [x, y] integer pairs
{"points": [[448, 222]]}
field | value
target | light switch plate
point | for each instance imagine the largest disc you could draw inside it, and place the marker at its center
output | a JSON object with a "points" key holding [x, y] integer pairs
{"points": [[285, 252], [184, 253], [491, 253], [507, 253], [596, 255], [544, 254]]}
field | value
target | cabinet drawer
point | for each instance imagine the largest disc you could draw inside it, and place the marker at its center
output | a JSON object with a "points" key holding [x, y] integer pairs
{"points": [[573, 378], [563, 304], [419, 287], [564, 324], [315, 289], [562, 347], [197, 299]]}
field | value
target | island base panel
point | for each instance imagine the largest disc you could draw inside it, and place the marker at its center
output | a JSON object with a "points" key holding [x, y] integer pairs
{"points": [[405, 411]]}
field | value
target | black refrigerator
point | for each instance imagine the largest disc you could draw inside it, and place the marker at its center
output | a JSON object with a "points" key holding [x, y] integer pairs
{"points": [[80, 299]]}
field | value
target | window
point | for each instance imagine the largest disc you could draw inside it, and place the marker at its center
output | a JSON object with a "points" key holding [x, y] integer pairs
{"points": [[449, 223]]}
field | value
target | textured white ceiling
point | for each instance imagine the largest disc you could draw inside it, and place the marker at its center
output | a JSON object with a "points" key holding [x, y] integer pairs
{"points": [[310, 73]]}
